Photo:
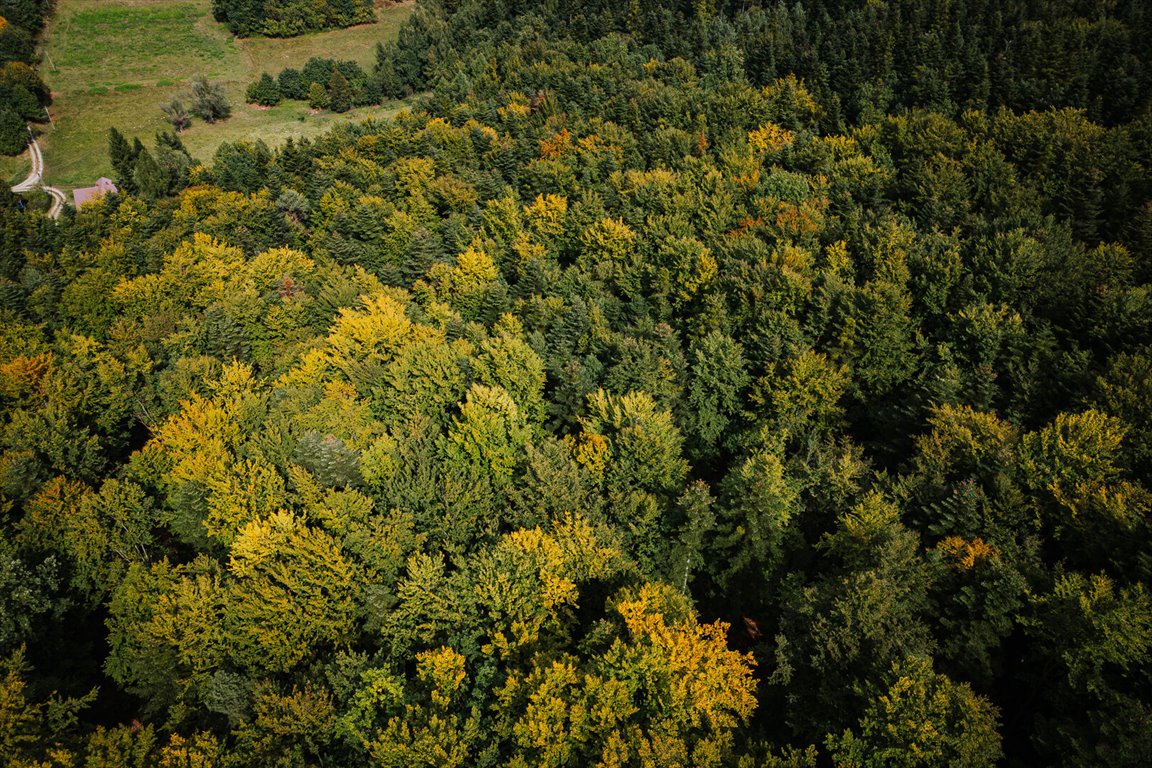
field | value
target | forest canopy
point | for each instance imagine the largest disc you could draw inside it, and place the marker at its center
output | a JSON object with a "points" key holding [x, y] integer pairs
{"points": [[677, 384]]}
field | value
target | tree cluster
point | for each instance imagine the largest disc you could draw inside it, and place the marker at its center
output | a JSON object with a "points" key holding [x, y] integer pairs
{"points": [[287, 18], [23, 95], [861, 59], [149, 174], [323, 83], [614, 407]]}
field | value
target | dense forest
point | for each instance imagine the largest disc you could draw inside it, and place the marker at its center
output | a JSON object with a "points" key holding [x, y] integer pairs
{"points": [[286, 18], [23, 94], [681, 384]]}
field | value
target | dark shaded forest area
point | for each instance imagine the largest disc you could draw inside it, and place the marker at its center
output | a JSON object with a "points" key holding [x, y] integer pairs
{"points": [[681, 384]]}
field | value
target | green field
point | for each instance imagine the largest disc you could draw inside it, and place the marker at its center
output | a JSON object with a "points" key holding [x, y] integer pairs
{"points": [[114, 62]]}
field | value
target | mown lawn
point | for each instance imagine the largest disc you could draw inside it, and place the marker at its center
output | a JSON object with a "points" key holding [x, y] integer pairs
{"points": [[115, 62]]}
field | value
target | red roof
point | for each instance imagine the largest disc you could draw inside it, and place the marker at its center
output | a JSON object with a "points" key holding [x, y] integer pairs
{"points": [[87, 194]]}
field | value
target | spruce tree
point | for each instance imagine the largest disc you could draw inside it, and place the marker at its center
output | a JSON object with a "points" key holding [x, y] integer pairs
{"points": [[265, 91], [123, 158], [318, 97], [171, 141], [387, 80], [172, 156], [151, 179], [291, 84], [339, 92]]}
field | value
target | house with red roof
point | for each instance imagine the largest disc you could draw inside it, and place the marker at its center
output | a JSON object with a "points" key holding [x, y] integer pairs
{"points": [[85, 194]]}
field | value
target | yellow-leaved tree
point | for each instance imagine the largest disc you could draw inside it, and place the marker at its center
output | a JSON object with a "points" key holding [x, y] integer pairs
{"points": [[666, 691]]}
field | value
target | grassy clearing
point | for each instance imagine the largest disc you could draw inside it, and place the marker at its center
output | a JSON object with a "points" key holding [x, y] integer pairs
{"points": [[114, 62]]}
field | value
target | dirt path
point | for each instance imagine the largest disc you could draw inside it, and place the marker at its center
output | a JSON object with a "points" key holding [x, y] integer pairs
{"points": [[35, 179]]}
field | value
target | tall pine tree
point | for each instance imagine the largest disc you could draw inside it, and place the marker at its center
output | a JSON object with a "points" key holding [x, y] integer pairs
{"points": [[123, 158]]}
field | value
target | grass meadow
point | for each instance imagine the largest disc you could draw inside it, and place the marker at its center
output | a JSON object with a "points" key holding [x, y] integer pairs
{"points": [[115, 62]]}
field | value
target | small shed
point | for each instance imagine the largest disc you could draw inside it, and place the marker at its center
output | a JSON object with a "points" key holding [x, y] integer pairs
{"points": [[84, 194]]}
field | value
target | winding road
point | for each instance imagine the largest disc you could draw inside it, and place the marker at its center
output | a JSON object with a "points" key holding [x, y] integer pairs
{"points": [[35, 179]]}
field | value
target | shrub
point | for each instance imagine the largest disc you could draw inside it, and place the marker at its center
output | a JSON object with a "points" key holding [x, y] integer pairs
{"points": [[177, 115], [208, 100]]}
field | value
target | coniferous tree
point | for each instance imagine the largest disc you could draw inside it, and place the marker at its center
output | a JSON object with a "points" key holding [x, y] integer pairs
{"points": [[173, 157], [318, 97], [291, 84], [391, 87], [265, 91], [339, 92], [121, 155], [149, 177]]}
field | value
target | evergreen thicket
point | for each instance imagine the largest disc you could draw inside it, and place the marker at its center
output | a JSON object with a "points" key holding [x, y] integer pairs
{"points": [[700, 384], [286, 18], [343, 83]]}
